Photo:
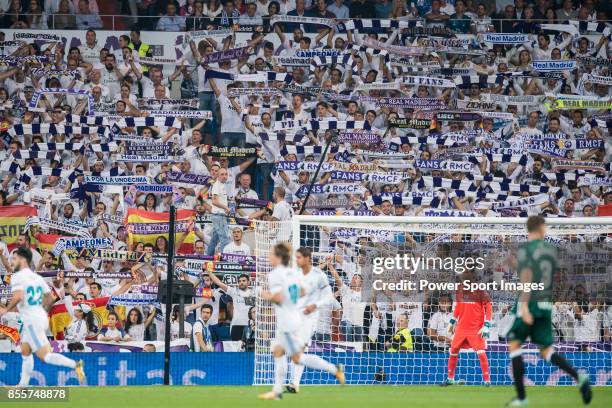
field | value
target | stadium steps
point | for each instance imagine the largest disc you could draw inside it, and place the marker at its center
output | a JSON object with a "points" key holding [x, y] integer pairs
{"points": [[109, 9]]}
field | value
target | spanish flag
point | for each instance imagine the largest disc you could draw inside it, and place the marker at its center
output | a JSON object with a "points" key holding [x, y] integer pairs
{"points": [[46, 242], [146, 226], [10, 332], [59, 317], [12, 222], [604, 210]]}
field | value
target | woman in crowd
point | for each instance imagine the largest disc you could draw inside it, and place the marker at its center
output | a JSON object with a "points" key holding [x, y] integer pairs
{"points": [[161, 245], [37, 18], [81, 324], [13, 18], [64, 18], [212, 9], [136, 325]]}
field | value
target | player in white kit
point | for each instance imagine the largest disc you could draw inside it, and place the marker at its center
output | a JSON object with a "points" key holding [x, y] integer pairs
{"points": [[317, 294], [284, 290], [30, 296]]}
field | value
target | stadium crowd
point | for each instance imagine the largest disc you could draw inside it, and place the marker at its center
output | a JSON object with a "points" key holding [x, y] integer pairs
{"points": [[434, 107]]}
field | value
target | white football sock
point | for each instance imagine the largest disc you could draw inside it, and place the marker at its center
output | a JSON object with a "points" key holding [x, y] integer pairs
{"points": [[27, 366], [59, 360], [280, 373], [296, 373], [317, 363]]}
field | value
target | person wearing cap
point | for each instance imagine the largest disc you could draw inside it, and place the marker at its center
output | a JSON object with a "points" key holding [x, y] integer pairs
{"points": [[81, 324]]}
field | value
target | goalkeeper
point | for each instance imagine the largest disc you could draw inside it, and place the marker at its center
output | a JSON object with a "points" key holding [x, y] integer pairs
{"points": [[470, 323], [537, 263]]}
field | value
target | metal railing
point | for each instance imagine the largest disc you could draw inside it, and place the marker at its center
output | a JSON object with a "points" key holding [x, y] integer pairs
{"points": [[148, 22]]}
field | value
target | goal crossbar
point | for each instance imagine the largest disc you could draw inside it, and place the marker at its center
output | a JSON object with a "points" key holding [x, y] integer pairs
{"points": [[389, 219]]}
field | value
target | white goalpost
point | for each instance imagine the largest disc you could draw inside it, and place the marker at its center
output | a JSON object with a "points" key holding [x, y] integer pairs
{"points": [[398, 336]]}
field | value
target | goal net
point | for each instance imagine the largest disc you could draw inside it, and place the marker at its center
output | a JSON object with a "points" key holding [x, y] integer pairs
{"points": [[388, 327]]}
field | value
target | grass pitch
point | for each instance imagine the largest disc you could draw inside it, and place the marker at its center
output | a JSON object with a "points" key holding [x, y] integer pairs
{"points": [[328, 396]]}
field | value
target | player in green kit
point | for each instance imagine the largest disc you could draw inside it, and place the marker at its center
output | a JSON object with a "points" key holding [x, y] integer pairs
{"points": [[537, 263]]}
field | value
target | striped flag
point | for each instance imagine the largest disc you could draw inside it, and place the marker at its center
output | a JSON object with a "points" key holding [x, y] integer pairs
{"points": [[147, 226], [46, 242], [13, 220], [59, 317]]}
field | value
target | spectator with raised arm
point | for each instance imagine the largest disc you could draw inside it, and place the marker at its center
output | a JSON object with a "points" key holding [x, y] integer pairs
{"points": [[242, 299]]}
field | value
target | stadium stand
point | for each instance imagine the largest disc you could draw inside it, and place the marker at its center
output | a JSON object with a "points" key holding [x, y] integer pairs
{"points": [[236, 111]]}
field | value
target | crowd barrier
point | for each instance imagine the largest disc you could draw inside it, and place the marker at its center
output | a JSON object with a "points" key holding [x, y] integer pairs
{"points": [[237, 369]]}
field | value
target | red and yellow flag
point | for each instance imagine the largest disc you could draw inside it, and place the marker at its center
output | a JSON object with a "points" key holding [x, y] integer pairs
{"points": [[604, 210], [46, 242], [59, 317], [10, 332], [146, 226], [12, 222]]}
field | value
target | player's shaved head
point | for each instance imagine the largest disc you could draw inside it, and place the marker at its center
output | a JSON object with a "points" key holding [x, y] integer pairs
{"points": [[534, 223]]}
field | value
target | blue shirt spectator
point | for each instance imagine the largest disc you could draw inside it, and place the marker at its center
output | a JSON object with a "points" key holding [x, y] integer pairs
{"points": [[339, 9], [250, 17], [85, 19], [230, 15], [383, 8], [171, 22]]}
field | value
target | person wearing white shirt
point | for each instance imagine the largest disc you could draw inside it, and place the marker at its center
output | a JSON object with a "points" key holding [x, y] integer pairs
{"points": [[244, 191], [220, 209], [206, 295], [233, 132], [353, 307], [607, 323], [155, 79], [23, 240], [263, 7], [175, 334], [438, 324], [81, 324], [447, 8], [204, 334], [237, 247], [90, 51], [242, 299], [111, 76], [282, 209], [5, 5], [30, 296], [5, 265], [135, 325], [317, 295], [285, 288], [339, 9], [251, 18], [588, 323]]}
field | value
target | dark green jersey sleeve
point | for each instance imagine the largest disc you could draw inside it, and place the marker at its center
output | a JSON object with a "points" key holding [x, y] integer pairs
{"points": [[541, 258]]}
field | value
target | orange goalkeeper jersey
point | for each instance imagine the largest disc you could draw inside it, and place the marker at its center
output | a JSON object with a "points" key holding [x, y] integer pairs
{"points": [[471, 311]]}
